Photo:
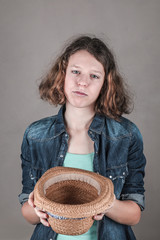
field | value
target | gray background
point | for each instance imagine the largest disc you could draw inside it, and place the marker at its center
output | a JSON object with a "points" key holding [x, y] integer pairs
{"points": [[31, 34]]}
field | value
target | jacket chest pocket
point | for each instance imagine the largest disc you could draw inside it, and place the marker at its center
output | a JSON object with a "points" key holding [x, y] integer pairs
{"points": [[35, 174], [118, 175]]}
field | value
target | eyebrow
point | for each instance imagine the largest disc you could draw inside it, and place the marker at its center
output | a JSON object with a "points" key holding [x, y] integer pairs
{"points": [[75, 66], [92, 69]]}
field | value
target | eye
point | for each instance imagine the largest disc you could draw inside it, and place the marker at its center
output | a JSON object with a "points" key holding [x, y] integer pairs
{"points": [[75, 72], [94, 76]]}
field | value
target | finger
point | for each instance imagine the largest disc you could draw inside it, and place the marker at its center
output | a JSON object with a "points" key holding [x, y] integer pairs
{"points": [[44, 222], [31, 199], [98, 217], [41, 214], [31, 195]]}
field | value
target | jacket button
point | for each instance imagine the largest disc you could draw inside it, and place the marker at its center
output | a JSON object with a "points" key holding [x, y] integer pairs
{"points": [[110, 176]]}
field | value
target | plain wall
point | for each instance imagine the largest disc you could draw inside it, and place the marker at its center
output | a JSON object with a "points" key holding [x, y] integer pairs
{"points": [[31, 34]]}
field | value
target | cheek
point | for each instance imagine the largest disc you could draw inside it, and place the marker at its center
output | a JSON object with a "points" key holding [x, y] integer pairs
{"points": [[97, 92], [101, 87], [65, 87], [68, 83], [98, 88]]}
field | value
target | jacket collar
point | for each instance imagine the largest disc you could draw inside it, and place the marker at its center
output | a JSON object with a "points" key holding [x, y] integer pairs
{"points": [[59, 124], [96, 125]]}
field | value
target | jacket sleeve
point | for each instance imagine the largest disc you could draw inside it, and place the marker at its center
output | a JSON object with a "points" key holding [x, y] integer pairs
{"points": [[134, 184], [27, 183]]}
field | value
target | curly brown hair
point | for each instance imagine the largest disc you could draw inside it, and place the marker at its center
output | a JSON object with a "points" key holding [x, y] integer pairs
{"points": [[114, 98]]}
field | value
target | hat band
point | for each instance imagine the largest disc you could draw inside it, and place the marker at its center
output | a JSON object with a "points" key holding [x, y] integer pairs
{"points": [[63, 218]]}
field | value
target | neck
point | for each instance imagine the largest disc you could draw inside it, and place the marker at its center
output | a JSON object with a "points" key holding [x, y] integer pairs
{"points": [[78, 118]]}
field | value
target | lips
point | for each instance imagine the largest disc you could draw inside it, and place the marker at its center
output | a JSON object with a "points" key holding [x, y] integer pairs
{"points": [[80, 93]]}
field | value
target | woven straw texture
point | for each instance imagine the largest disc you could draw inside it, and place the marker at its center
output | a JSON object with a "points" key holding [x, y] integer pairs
{"points": [[72, 197]]}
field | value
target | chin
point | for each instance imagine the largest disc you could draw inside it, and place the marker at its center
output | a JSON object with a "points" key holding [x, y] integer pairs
{"points": [[82, 105]]}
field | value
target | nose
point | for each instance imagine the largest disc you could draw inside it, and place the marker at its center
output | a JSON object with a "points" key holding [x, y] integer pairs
{"points": [[83, 80]]}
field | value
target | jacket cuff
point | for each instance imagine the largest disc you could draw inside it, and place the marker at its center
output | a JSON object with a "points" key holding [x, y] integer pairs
{"points": [[136, 197], [23, 197]]}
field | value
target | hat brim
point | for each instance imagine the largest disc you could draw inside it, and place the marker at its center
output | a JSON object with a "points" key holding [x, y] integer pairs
{"points": [[100, 204]]}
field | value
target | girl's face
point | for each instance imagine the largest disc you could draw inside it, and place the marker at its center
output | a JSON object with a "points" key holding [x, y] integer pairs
{"points": [[84, 80]]}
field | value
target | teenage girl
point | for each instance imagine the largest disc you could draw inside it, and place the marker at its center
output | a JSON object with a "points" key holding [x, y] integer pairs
{"points": [[90, 133]]}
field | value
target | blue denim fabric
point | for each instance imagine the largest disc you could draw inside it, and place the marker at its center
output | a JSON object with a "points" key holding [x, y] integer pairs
{"points": [[118, 155]]}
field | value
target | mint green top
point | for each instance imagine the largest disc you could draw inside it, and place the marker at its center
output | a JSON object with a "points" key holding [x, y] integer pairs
{"points": [[82, 161]]}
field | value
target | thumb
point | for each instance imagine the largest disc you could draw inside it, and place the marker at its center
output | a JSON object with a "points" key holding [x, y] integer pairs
{"points": [[31, 199]]}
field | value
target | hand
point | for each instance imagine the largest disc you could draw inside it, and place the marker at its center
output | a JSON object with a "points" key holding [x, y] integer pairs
{"points": [[43, 216], [98, 216], [101, 215]]}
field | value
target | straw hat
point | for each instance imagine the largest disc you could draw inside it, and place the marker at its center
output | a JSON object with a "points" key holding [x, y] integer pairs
{"points": [[71, 197]]}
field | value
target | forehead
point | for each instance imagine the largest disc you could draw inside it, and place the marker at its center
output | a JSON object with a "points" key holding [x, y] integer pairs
{"points": [[83, 58]]}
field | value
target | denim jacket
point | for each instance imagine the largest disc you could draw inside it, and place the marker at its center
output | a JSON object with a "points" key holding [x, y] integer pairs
{"points": [[118, 155]]}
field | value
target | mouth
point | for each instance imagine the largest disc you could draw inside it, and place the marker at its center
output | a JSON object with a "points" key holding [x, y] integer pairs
{"points": [[80, 93]]}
